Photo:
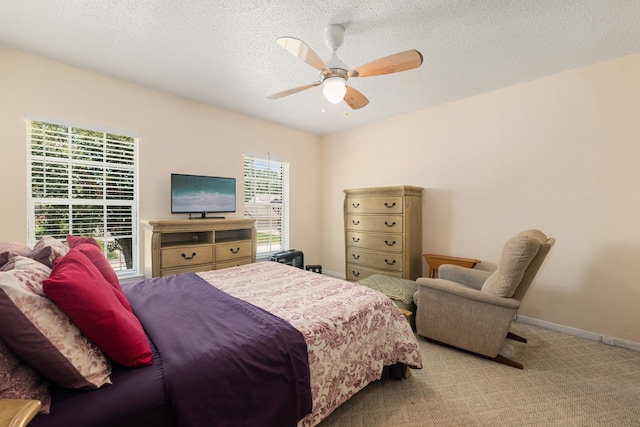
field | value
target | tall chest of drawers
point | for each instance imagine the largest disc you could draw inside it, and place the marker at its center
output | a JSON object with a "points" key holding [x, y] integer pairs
{"points": [[383, 231]]}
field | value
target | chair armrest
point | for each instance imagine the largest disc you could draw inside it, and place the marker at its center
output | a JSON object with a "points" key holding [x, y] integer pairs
{"points": [[467, 276], [462, 291]]}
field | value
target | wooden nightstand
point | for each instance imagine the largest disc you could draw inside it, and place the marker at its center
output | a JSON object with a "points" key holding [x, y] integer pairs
{"points": [[435, 261], [17, 413]]}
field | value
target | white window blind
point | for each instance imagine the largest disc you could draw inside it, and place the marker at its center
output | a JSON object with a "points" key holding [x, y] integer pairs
{"points": [[266, 198], [84, 182]]}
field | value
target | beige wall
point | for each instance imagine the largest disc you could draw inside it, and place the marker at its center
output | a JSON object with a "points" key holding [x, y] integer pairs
{"points": [[176, 135], [561, 154]]}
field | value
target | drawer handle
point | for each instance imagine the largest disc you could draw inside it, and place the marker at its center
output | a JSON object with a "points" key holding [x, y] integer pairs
{"points": [[234, 251], [390, 263], [392, 205], [389, 225], [355, 205], [193, 255], [355, 239], [355, 222], [389, 244], [355, 256], [355, 273]]}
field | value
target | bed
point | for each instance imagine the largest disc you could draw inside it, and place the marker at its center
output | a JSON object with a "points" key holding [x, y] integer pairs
{"points": [[261, 344]]}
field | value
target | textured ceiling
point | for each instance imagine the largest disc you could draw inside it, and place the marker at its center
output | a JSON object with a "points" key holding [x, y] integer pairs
{"points": [[224, 53]]}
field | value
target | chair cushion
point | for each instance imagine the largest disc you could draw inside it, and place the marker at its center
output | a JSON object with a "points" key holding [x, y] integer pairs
{"points": [[516, 256], [399, 290]]}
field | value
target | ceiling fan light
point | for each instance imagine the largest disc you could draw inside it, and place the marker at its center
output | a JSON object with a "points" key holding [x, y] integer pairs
{"points": [[334, 89]]}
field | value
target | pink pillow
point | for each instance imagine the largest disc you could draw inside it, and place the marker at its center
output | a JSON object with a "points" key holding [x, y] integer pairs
{"points": [[74, 241], [9, 265], [8, 250], [79, 289], [98, 259]]}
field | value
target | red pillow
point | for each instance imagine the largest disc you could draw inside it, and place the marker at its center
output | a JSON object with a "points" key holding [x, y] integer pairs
{"points": [[78, 288], [74, 241], [98, 259]]}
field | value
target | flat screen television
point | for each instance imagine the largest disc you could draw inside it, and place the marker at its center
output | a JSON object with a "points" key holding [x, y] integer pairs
{"points": [[197, 194]]}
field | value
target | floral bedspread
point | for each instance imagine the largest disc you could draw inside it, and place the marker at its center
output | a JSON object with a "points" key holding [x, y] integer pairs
{"points": [[351, 331]]}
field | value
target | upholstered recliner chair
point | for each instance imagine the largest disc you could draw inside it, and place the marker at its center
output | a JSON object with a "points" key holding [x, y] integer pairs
{"points": [[473, 309]]}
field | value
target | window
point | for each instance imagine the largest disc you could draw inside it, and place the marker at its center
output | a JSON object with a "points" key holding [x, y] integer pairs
{"points": [[266, 198], [84, 182]]}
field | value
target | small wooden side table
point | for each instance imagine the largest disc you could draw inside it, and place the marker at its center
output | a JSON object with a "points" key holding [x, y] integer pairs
{"points": [[435, 261], [17, 413]]}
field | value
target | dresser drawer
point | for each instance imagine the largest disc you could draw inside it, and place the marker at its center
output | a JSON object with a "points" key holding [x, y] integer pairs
{"points": [[377, 260], [183, 256], [357, 272], [176, 270], [375, 241], [379, 223], [231, 251], [375, 205]]}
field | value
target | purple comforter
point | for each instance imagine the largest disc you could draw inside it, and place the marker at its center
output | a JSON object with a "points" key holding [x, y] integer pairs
{"points": [[226, 362]]}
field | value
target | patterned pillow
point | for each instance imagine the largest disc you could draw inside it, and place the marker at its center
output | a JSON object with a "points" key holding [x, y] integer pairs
{"points": [[42, 335], [19, 381]]}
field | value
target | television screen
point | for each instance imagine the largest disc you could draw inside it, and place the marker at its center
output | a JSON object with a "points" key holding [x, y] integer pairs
{"points": [[202, 194]]}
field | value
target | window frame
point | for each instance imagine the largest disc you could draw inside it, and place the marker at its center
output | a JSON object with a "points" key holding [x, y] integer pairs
{"points": [[129, 166], [263, 210]]}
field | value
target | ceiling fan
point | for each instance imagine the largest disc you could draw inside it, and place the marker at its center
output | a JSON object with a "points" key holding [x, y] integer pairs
{"points": [[334, 73]]}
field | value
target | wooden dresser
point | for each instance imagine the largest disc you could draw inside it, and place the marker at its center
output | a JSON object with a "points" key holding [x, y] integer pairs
{"points": [[176, 246], [383, 230]]}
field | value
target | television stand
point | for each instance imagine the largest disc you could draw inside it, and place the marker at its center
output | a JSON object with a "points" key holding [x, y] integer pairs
{"points": [[177, 246]]}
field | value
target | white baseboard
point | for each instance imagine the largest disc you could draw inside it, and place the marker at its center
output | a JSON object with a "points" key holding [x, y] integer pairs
{"points": [[334, 274], [580, 333], [618, 342]]}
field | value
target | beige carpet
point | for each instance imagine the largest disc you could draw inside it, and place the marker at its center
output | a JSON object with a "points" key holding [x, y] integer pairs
{"points": [[566, 381]]}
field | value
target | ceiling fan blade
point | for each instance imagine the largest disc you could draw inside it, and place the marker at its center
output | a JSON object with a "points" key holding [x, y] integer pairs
{"points": [[292, 91], [355, 99], [402, 61], [298, 48]]}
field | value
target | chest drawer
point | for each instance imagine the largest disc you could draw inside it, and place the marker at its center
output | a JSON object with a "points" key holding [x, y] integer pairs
{"points": [[357, 272], [378, 260], [231, 251], [182, 256], [378, 223], [375, 205], [375, 241]]}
